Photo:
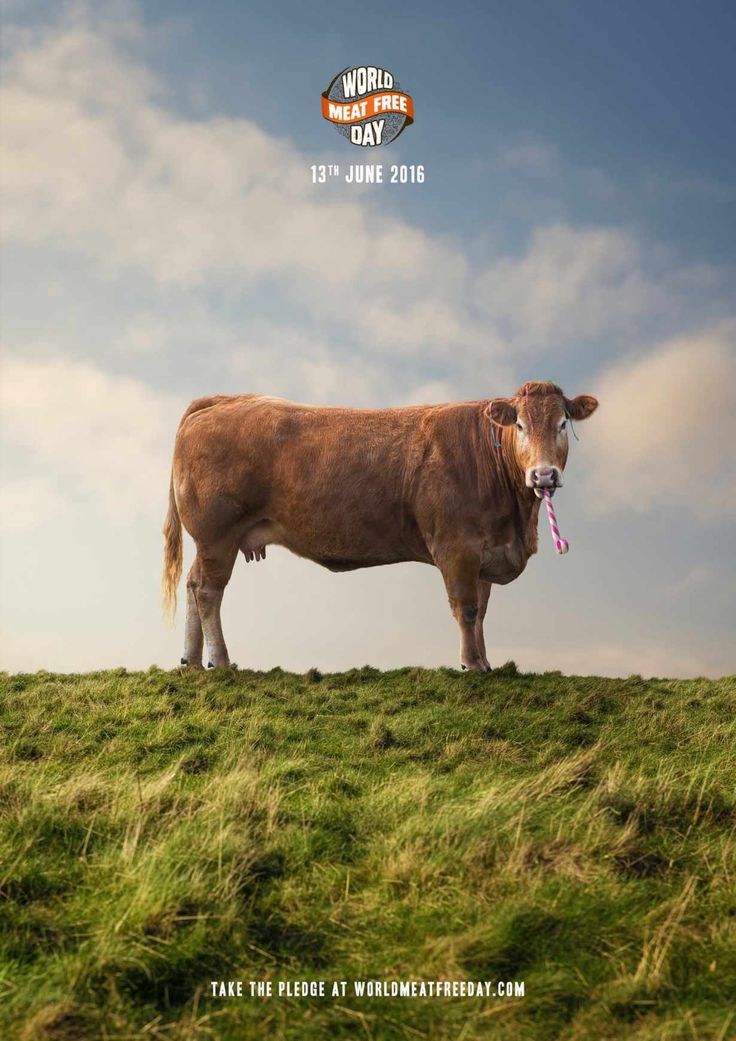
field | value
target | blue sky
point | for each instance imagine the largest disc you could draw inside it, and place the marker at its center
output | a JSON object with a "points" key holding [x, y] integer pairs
{"points": [[163, 240]]}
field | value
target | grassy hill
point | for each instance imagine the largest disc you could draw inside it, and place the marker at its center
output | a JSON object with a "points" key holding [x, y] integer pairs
{"points": [[161, 830]]}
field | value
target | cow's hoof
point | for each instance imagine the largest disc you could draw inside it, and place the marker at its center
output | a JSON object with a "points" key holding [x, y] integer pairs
{"points": [[475, 666], [210, 665]]}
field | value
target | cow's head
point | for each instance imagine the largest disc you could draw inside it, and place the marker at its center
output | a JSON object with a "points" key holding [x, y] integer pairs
{"points": [[539, 415]]}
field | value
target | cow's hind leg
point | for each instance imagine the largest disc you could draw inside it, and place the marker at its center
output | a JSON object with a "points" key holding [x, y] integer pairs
{"points": [[461, 581], [484, 591], [212, 570], [193, 635]]}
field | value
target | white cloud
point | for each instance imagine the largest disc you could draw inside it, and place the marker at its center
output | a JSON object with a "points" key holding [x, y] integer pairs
{"points": [[694, 577], [430, 392], [571, 283], [103, 437], [313, 373], [145, 334], [27, 503], [530, 155], [316, 375], [664, 434], [95, 165]]}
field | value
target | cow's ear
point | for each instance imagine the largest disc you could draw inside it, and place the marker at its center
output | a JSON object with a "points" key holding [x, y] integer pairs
{"points": [[581, 407], [502, 411]]}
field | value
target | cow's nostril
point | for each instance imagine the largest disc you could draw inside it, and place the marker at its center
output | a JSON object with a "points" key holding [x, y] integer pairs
{"points": [[544, 477], [539, 477]]}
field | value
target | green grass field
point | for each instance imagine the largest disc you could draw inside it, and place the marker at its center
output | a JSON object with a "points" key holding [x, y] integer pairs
{"points": [[161, 830]]}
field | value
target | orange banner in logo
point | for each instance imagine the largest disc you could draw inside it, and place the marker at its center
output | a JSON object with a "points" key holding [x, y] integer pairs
{"points": [[368, 108]]}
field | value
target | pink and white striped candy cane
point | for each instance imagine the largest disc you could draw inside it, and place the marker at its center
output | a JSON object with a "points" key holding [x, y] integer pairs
{"points": [[561, 545]]}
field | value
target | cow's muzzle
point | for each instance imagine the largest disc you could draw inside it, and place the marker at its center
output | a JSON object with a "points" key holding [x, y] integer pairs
{"points": [[543, 477]]}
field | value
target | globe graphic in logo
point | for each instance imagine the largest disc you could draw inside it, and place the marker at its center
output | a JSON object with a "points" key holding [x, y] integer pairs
{"points": [[376, 129]]}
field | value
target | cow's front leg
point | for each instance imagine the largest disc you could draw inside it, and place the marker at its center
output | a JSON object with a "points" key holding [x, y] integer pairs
{"points": [[484, 591], [461, 575]]}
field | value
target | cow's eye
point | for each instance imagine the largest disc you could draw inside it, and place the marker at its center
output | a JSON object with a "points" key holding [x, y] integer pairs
{"points": [[563, 424], [519, 427]]}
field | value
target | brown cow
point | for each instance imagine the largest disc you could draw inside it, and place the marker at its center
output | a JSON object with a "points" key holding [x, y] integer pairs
{"points": [[457, 485]]}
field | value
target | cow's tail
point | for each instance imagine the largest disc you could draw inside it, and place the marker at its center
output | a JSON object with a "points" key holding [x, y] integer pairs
{"points": [[172, 556]]}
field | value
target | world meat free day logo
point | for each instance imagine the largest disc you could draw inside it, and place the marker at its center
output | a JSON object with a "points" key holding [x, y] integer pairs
{"points": [[367, 106]]}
